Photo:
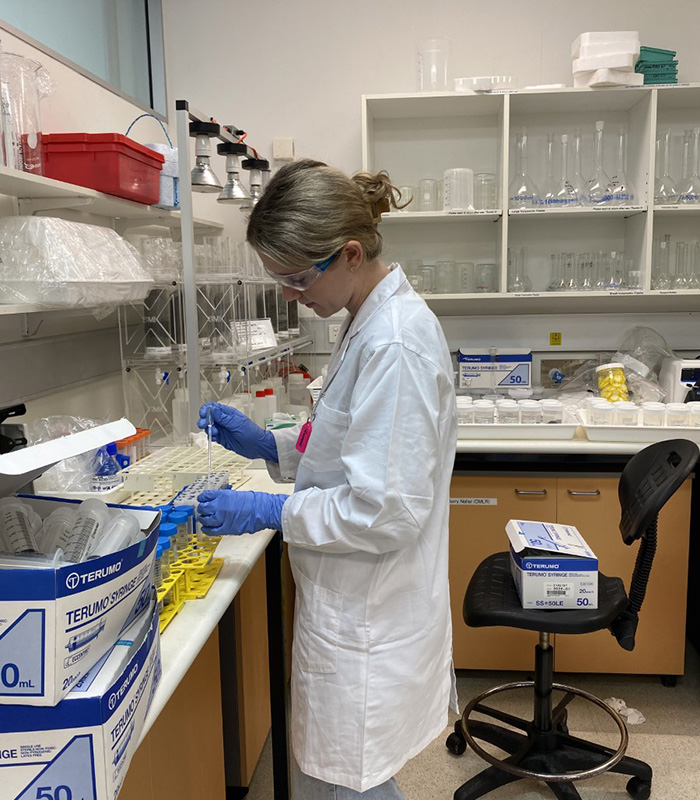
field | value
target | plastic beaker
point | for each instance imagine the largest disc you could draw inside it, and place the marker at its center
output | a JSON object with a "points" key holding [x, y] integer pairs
{"points": [[432, 65], [24, 83]]}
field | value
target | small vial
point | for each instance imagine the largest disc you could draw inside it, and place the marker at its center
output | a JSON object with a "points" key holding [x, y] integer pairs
{"points": [[189, 510], [694, 414], [653, 414], [465, 410], [170, 531], [484, 412], [182, 521], [508, 412], [158, 567], [552, 412], [164, 542], [19, 526], [530, 412], [602, 413], [677, 415], [626, 413]]}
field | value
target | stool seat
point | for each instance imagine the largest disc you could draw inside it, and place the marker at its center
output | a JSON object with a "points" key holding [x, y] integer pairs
{"points": [[492, 600]]}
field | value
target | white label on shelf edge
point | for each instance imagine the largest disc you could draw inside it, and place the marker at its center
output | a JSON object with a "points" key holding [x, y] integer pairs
{"points": [[473, 501]]}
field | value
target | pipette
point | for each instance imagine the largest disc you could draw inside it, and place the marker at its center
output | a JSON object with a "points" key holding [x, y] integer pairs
{"points": [[209, 447]]}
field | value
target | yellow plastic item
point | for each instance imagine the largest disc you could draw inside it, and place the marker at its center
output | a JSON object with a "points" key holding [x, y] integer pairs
{"points": [[612, 383], [171, 597]]}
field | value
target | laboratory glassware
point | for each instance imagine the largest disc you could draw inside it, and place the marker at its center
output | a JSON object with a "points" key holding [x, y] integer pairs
{"points": [[693, 266], [613, 265], [485, 195], [445, 277], [432, 65], [465, 277], [458, 189], [209, 446], [689, 191], [633, 277], [556, 283], [428, 273], [550, 186], [660, 272], [598, 187], [414, 273], [622, 191], [484, 277], [578, 182], [407, 198], [665, 190], [566, 195], [585, 272], [570, 273], [680, 279], [522, 193], [427, 194], [517, 275]]}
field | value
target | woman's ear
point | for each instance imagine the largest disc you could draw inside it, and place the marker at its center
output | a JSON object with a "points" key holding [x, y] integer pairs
{"points": [[354, 255]]}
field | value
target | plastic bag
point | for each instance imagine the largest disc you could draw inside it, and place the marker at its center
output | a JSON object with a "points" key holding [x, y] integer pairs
{"points": [[72, 474], [642, 351], [53, 262]]}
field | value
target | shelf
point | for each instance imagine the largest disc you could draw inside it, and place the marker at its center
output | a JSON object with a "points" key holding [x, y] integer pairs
{"points": [[622, 301], [403, 217], [37, 193], [258, 357], [677, 211], [432, 105], [592, 211]]}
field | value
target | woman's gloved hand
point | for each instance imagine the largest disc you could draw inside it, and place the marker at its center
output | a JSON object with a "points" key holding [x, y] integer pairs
{"points": [[227, 511], [236, 432]]}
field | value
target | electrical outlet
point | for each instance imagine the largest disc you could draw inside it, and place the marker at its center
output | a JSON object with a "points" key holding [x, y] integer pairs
{"points": [[283, 149], [333, 331]]}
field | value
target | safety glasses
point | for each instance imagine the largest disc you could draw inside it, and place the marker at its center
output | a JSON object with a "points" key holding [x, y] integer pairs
{"points": [[300, 281]]}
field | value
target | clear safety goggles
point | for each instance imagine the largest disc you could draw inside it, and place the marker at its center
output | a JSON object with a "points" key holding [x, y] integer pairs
{"points": [[300, 281]]}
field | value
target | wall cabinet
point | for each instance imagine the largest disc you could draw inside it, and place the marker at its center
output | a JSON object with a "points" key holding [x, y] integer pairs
{"points": [[591, 505]]}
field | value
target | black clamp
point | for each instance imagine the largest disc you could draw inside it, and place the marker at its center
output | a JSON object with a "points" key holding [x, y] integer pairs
{"points": [[204, 128], [6, 443]]}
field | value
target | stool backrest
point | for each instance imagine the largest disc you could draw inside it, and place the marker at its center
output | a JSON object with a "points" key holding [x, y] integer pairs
{"points": [[648, 481]]}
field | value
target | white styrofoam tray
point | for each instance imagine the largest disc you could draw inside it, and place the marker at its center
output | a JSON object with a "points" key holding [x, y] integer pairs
{"points": [[639, 433], [519, 431]]}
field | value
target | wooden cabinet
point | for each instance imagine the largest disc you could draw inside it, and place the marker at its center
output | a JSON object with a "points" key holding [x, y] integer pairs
{"points": [[591, 505], [480, 509]]}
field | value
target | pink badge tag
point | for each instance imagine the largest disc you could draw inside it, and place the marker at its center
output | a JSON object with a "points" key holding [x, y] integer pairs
{"points": [[304, 436]]}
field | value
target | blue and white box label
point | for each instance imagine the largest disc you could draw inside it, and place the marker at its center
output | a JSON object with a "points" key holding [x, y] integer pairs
{"points": [[81, 749], [56, 624], [499, 369], [552, 565]]}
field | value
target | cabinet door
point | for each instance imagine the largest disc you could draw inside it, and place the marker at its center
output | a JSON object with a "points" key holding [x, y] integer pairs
{"points": [[477, 531], [591, 505]]}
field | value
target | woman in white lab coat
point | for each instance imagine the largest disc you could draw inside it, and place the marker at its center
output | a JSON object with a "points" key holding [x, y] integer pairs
{"points": [[367, 524]]}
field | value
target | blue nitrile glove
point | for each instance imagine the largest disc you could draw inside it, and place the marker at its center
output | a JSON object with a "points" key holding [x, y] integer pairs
{"points": [[226, 511], [236, 432]]}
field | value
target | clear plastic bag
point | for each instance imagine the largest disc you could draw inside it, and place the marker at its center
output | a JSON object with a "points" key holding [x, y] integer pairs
{"points": [[72, 474], [642, 350], [54, 262]]}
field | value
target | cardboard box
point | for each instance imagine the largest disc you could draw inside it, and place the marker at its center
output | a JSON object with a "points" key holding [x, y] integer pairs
{"points": [[552, 565], [81, 749], [56, 624], [502, 368]]}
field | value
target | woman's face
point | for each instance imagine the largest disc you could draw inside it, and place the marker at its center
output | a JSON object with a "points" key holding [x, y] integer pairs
{"points": [[333, 290]]}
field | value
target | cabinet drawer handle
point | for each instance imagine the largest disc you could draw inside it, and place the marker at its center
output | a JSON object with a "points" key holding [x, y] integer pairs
{"points": [[594, 493], [538, 492]]}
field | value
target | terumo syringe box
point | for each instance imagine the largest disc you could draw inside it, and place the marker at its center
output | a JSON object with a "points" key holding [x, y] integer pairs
{"points": [[552, 565], [500, 368], [82, 748], [55, 624]]}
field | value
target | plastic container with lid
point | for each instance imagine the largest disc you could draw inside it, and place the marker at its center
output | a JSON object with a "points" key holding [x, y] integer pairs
{"points": [[601, 412], [677, 415], [158, 566], [182, 521], [189, 510], [626, 413], [169, 531], [106, 162], [612, 383], [552, 412], [508, 412], [164, 541], [653, 413], [465, 410], [530, 412], [484, 412], [694, 414]]}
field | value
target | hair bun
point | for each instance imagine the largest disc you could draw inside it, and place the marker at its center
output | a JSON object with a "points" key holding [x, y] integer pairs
{"points": [[378, 192]]}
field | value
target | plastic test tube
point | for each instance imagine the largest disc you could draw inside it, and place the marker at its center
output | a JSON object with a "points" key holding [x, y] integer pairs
{"points": [[164, 542], [189, 510], [182, 521], [20, 526], [158, 567], [170, 531]]}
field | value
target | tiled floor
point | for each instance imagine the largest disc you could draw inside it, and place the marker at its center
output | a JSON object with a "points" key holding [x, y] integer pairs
{"points": [[669, 740]]}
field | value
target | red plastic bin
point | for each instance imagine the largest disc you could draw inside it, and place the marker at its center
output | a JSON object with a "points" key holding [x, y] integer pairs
{"points": [[107, 162]]}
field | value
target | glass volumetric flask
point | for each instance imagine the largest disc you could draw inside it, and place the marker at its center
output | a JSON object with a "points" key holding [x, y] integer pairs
{"points": [[680, 278], [556, 284], [689, 191], [516, 269], [550, 186], [612, 274], [660, 275], [665, 191], [578, 182], [598, 187], [585, 272], [566, 194], [623, 193], [694, 265], [570, 273], [522, 192]]}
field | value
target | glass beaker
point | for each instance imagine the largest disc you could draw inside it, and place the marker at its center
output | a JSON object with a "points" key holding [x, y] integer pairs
{"points": [[427, 195], [429, 278], [458, 189], [665, 191], [465, 277], [485, 196], [24, 84], [522, 192], [432, 65], [598, 188], [446, 277], [484, 277], [408, 196]]}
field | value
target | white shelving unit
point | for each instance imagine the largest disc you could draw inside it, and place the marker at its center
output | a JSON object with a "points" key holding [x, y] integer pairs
{"points": [[415, 136]]}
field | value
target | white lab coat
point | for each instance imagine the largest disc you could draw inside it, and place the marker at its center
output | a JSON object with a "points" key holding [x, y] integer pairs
{"points": [[367, 529]]}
